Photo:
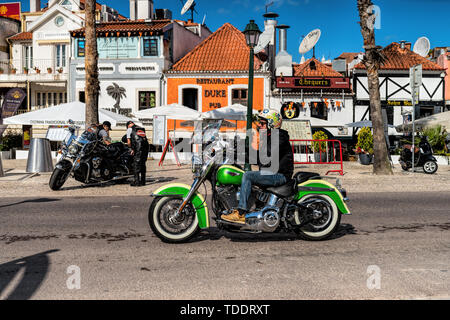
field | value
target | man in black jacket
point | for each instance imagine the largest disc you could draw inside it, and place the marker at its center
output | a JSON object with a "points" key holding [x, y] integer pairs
{"points": [[137, 141], [275, 160]]}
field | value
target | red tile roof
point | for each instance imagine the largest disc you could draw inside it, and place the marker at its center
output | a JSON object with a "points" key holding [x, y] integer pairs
{"points": [[307, 69], [224, 50], [22, 36], [348, 56], [128, 25], [403, 59]]}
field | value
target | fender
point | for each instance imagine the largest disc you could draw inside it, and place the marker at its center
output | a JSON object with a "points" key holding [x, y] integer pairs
{"points": [[64, 165], [181, 190], [327, 189]]}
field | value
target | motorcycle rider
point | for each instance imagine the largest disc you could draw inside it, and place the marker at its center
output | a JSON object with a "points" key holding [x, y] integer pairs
{"points": [[137, 141], [269, 120]]}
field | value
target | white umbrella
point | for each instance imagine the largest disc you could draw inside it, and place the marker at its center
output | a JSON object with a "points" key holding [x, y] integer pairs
{"points": [[61, 114], [364, 123], [172, 111], [233, 112], [442, 119]]}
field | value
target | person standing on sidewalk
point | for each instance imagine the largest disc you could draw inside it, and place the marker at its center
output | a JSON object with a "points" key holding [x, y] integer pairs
{"points": [[137, 141]]}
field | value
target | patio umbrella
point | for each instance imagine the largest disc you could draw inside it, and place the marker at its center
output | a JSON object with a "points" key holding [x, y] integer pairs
{"points": [[61, 114], [233, 112], [442, 119], [172, 111], [364, 123]]}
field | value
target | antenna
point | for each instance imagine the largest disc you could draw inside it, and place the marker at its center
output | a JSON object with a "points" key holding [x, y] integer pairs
{"points": [[204, 19], [309, 42], [422, 46], [269, 5], [189, 5]]}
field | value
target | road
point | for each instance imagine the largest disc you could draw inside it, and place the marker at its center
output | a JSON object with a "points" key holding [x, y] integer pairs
{"points": [[394, 246]]}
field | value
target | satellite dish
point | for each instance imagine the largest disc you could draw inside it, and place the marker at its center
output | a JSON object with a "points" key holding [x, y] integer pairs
{"points": [[310, 41], [187, 6], [264, 39], [422, 46]]}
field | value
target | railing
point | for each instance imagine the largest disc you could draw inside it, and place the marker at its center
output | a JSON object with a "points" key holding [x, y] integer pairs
{"points": [[36, 66], [330, 152]]}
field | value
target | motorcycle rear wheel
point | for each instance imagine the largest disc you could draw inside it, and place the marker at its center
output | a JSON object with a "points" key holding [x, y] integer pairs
{"points": [[57, 179], [169, 228], [323, 227], [430, 167]]}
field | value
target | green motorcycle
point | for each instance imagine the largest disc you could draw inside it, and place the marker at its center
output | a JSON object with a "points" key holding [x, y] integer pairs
{"points": [[307, 205]]}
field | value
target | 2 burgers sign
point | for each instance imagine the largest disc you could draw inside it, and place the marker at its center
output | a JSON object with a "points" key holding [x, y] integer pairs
{"points": [[312, 83]]}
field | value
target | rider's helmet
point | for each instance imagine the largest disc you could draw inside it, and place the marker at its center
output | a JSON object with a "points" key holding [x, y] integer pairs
{"points": [[273, 118]]}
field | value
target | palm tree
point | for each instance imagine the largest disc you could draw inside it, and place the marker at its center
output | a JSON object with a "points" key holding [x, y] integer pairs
{"points": [[91, 65], [372, 60], [117, 93]]}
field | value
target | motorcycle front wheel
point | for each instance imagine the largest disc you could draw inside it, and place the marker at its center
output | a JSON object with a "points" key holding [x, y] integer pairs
{"points": [[326, 221], [167, 225], [58, 178]]}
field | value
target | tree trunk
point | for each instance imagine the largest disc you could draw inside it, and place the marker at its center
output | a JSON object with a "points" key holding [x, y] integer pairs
{"points": [[372, 61], [91, 65]]}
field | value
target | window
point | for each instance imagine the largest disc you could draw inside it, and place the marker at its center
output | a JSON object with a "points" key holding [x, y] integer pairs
{"points": [[82, 96], [81, 48], [38, 99], [150, 47], [190, 98], [28, 57], [60, 55], [147, 99], [319, 110], [239, 96], [67, 4]]}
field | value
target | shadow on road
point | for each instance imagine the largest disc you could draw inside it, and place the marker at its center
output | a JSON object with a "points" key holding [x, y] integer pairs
{"points": [[214, 233], [34, 269], [39, 200], [149, 181]]}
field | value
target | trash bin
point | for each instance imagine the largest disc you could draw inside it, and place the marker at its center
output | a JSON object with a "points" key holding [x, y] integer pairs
{"points": [[39, 156]]}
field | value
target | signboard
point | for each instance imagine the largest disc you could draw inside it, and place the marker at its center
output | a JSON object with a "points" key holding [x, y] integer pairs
{"points": [[26, 137], [10, 10], [103, 68], [57, 133], [138, 68], [12, 102], [298, 129], [290, 110], [312, 83], [159, 130]]}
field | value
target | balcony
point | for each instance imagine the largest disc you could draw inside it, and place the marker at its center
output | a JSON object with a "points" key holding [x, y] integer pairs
{"points": [[44, 70]]}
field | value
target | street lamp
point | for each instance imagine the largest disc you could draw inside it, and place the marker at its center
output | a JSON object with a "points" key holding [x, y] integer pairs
{"points": [[251, 33]]}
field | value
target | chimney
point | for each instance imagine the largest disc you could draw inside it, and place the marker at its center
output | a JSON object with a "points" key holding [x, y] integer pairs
{"points": [[35, 5], [408, 45], [270, 24], [402, 44], [283, 60], [133, 9]]}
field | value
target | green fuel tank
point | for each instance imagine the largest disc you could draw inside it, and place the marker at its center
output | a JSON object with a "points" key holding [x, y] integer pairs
{"points": [[229, 175]]}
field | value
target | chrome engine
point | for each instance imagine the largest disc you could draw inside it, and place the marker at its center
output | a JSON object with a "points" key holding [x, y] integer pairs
{"points": [[266, 220]]}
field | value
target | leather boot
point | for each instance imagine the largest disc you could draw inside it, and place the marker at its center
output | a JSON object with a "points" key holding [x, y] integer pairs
{"points": [[142, 180], [135, 182]]}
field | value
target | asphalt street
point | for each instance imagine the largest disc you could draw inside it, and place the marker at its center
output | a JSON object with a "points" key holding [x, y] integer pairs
{"points": [[394, 246]]}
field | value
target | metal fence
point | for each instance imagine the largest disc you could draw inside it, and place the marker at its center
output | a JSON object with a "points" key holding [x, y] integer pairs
{"points": [[319, 152]]}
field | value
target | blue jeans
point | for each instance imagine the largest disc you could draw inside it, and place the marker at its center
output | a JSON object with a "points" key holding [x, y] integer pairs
{"points": [[257, 178]]}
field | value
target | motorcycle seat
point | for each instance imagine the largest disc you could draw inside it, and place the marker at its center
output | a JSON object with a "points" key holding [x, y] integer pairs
{"points": [[301, 177], [286, 190]]}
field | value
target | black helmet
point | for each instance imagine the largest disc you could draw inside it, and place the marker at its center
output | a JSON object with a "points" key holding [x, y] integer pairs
{"points": [[107, 123], [128, 123]]}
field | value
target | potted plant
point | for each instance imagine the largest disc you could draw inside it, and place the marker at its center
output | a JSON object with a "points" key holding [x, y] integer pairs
{"points": [[364, 147], [25, 70], [37, 70], [60, 70], [13, 70], [1, 71], [49, 70], [320, 147]]}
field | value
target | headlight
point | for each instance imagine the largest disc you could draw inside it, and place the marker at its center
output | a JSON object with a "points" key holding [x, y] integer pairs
{"points": [[73, 149], [196, 164]]}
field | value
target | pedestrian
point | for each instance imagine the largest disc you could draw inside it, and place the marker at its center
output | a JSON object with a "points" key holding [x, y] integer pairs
{"points": [[137, 141], [104, 132]]}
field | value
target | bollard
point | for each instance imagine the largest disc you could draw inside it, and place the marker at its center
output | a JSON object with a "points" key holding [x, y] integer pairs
{"points": [[39, 156], [2, 173]]}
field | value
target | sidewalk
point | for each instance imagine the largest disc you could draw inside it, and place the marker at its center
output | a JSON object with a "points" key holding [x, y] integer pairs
{"points": [[357, 178]]}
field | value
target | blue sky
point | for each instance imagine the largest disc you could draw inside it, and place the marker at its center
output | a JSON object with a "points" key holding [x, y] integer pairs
{"points": [[337, 19]]}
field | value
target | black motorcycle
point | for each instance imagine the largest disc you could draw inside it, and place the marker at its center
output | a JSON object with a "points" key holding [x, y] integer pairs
{"points": [[423, 156], [90, 161]]}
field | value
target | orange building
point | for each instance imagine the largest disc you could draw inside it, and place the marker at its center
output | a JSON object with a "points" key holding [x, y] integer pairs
{"points": [[215, 74]]}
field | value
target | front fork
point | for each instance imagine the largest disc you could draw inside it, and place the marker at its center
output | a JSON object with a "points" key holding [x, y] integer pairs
{"points": [[194, 187]]}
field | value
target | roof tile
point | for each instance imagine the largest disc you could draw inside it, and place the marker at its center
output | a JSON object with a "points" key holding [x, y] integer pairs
{"points": [[314, 68], [22, 36], [224, 50]]}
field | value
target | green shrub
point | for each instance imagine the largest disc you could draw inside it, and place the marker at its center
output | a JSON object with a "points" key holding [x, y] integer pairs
{"points": [[10, 140], [320, 146], [365, 140], [436, 137]]}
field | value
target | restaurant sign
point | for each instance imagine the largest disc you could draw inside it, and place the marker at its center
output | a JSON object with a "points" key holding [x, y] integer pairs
{"points": [[312, 83]]}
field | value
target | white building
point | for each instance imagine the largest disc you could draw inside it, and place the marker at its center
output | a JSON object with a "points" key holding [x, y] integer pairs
{"points": [[395, 89], [39, 60]]}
